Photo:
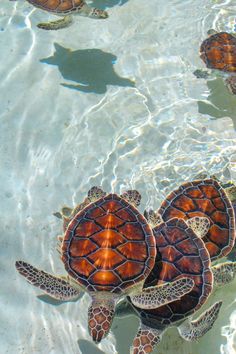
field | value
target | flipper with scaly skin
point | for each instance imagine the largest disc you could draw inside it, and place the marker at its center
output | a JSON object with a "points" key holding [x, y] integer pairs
{"points": [[132, 196], [154, 219], [58, 24], [95, 193], [193, 330], [156, 296], [56, 287], [224, 273]]}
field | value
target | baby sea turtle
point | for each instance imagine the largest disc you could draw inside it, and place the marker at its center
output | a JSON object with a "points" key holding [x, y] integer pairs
{"points": [[66, 8], [205, 217], [108, 250], [218, 52], [208, 199], [180, 253]]}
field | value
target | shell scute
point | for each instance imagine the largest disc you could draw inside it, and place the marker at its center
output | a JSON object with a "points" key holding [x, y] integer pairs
{"points": [[132, 231], [187, 248], [86, 228], [109, 221], [82, 266], [171, 254], [125, 214], [134, 250], [81, 248], [108, 238], [104, 277], [112, 206], [127, 270], [106, 258]]}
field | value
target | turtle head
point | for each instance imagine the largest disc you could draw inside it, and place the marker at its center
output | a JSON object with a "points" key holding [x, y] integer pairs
{"points": [[100, 316]]}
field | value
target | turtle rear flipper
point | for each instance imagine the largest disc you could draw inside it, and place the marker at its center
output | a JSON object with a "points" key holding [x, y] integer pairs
{"points": [[145, 340], [193, 330], [56, 287], [58, 24], [224, 273], [156, 296]]}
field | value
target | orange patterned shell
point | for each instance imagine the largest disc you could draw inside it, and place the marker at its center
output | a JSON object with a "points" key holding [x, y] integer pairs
{"points": [[58, 6], [204, 198], [219, 52], [180, 252], [109, 246]]}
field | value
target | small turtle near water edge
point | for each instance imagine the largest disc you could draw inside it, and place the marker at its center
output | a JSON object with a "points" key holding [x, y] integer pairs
{"points": [[66, 8], [108, 249], [218, 52]]}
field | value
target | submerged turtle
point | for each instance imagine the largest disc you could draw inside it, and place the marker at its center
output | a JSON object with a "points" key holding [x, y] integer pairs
{"points": [[108, 250], [66, 8], [204, 214], [218, 52]]}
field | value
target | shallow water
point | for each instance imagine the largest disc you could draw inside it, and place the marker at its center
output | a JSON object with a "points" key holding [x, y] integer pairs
{"points": [[111, 103]]}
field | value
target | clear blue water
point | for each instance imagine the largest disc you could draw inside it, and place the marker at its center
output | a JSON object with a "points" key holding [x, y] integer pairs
{"points": [[111, 103]]}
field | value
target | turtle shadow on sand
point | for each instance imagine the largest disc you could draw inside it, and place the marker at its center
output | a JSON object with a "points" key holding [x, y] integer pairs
{"points": [[103, 4], [91, 69], [88, 347], [221, 103]]}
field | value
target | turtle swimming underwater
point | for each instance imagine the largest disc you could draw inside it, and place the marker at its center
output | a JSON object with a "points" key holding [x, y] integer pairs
{"points": [[182, 252], [218, 52], [66, 8], [108, 250]]}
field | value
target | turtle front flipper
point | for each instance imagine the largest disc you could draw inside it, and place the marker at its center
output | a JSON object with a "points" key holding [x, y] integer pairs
{"points": [[154, 219], [92, 12], [58, 288], [95, 193], [193, 330], [132, 196], [156, 296], [145, 340], [224, 273], [58, 24]]}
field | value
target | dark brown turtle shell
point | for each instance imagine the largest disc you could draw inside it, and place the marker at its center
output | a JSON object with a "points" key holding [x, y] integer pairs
{"points": [[180, 252], [109, 246], [204, 198], [58, 6], [219, 52]]}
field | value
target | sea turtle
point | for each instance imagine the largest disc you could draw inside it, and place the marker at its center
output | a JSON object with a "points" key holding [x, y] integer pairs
{"points": [[180, 253], [66, 8], [218, 52], [198, 222], [209, 199], [108, 250]]}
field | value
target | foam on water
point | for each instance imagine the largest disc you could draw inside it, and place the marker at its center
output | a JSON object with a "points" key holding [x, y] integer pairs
{"points": [[160, 128]]}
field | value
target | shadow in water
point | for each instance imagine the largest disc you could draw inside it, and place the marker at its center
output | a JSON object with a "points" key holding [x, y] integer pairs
{"points": [[103, 4], [221, 102], [51, 301], [91, 69], [87, 347]]}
